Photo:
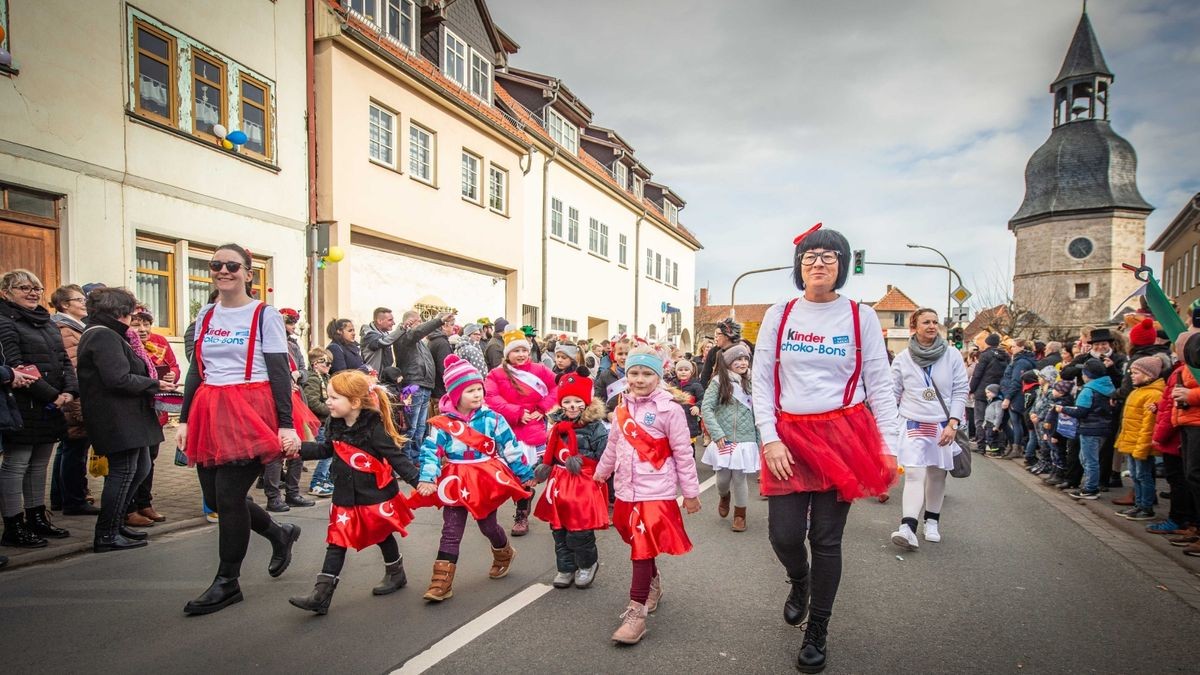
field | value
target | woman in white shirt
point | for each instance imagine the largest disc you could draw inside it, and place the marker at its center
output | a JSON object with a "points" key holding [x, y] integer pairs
{"points": [[819, 360], [922, 374]]}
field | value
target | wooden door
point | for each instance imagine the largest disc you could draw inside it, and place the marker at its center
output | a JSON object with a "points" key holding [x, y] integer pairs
{"points": [[32, 247]]}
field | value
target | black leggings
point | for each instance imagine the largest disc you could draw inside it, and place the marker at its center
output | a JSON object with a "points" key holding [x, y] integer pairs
{"points": [[335, 556], [788, 518], [226, 489]]}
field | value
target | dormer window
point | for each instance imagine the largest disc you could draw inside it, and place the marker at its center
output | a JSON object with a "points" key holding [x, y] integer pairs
{"points": [[481, 77], [454, 61], [395, 19], [637, 187], [671, 211], [563, 132], [621, 173]]}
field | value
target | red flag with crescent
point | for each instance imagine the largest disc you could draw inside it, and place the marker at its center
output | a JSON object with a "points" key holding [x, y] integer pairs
{"points": [[562, 437], [463, 433], [364, 462], [649, 449]]}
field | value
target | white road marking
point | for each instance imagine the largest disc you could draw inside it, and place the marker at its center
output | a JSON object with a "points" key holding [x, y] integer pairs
{"points": [[471, 630], [712, 480]]}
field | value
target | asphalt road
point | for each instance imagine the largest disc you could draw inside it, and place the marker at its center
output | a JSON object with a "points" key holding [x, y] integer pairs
{"points": [[1014, 587]]}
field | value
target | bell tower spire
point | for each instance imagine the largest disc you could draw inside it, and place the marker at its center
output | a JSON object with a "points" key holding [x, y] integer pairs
{"points": [[1082, 86]]}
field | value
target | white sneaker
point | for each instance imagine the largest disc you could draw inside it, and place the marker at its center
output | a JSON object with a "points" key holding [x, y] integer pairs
{"points": [[905, 538], [931, 530], [563, 579], [584, 577]]}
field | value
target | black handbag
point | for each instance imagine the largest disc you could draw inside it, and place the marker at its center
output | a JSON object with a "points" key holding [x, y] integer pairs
{"points": [[962, 461]]}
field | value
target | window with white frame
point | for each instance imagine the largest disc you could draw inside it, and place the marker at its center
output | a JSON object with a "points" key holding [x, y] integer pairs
{"points": [[454, 60], [381, 136], [481, 77], [561, 325], [562, 131], [675, 275], [658, 266], [621, 173], [497, 189], [672, 212], [604, 240], [622, 328], [649, 263], [573, 225], [594, 235], [421, 152], [470, 177], [395, 19], [637, 187], [667, 269], [622, 250], [556, 217]]}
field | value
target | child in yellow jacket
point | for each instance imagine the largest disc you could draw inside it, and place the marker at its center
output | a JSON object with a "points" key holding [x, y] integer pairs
{"points": [[1137, 433]]}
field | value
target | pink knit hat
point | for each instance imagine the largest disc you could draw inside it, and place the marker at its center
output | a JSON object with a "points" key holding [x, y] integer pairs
{"points": [[459, 375]]}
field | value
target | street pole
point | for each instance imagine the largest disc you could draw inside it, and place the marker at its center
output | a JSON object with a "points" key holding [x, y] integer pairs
{"points": [[733, 291], [948, 284]]}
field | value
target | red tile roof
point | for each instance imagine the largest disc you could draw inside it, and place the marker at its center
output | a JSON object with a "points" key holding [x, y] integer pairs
{"points": [[895, 301]]}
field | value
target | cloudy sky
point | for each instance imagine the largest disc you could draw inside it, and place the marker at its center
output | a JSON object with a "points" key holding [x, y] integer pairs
{"points": [[894, 121]]}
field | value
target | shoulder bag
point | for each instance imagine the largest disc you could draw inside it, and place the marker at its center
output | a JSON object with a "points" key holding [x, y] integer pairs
{"points": [[962, 461]]}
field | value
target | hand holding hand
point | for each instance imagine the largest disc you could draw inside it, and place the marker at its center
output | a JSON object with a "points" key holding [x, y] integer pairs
{"points": [[426, 489], [63, 399], [695, 411], [691, 504], [778, 459], [290, 441]]}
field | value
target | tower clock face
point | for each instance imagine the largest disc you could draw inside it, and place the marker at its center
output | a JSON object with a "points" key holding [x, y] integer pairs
{"points": [[1080, 248]]}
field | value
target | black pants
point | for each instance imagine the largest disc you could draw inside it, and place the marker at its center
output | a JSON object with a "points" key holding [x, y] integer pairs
{"points": [[1183, 509], [335, 556], [142, 499], [226, 489], [289, 471], [788, 525], [981, 404], [1190, 451], [126, 470], [1106, 459], [1074, 466], [574, 550], [68, 477]]}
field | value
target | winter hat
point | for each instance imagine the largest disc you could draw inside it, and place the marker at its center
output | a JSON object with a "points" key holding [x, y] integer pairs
{"points": [[529, 331], [1143, 334], [290, 315], [1150, 365], [471, 328], [1029, 377], [993, 389], [483, 321], [1101, 335], [459, 375], [730, 329], [1049, 373], [88, 288], [1162, 335], [645, 357], [567, 348], [992, 340], [1094, 369], [734, 352], [576, 384], [1063, 386], [501, 324], [513, 339]]}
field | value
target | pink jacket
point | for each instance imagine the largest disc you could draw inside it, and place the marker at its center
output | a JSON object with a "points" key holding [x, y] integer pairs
{"points": [[638, 481], [501, 396]]}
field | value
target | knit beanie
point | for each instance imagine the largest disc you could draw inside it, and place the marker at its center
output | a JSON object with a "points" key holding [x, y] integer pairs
{"points": [[1029, 377], [1049, 373], [992, 389], [575, 384], [459, 375], [501, 324], [734, 352], [567, 348], [1150, 365], [645, 357], [1063, 386], [1094, 369], [471, 328], [1143, 334], [513, 339], [992, 340]]}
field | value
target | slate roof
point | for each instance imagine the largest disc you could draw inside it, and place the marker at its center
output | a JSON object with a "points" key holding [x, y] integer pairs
{"points": [[1083, 56]]}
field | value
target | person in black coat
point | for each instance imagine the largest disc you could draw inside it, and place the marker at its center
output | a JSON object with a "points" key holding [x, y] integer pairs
{"points": [[439, 349], [346, 355], [31, 342], [989, 370], [118, 389]]}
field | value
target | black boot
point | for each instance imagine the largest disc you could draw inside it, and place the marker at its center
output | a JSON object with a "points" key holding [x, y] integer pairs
{"points": [[796, 605], [16, 534], [393, 578], [281, 548], [130, 533], [116, 542], [812, 657], [38, 520], [223, 592], [322, 593]]}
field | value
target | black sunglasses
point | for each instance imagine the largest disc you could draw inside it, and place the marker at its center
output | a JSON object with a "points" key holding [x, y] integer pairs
{"points": [[231, 267]]}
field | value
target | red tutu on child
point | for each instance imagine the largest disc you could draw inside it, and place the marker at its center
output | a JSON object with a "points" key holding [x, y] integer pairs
{"points": [[368, 524], [481, 486], [574, 503], [651, 528], [840, 449], [232, 422]]}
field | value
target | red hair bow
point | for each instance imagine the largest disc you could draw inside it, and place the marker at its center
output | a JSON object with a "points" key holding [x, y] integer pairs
{"points": [[800, 237]]}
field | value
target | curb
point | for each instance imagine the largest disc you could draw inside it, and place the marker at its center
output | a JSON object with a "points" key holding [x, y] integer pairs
{"points": [[52, 553]]}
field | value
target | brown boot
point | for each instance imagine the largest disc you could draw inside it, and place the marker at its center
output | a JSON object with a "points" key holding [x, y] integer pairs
{"points": [[739, 519], [136, 519], [1193, 550], [501, 560], [440, 587], [723, 506], [1127, 500], [150, 513], [633, 624], [656, 593]]}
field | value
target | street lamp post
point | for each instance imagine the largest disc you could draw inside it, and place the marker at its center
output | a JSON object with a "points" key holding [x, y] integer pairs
{"points": [[948, 277], [733, 291]]}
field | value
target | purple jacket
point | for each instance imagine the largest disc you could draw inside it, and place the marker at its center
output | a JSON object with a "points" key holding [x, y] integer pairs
{"points": [[638, 481]]}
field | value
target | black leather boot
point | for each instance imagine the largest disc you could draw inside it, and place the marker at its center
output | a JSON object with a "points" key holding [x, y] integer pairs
{"points": [[130, 533], [115, 542], [223, 592], [320, 597], [281, 548], [38, 521], [796, 605], [16, 534], [393, 578], [812, 658]]}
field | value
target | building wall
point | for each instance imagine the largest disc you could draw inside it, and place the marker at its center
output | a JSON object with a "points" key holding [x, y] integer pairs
{"points": [[1181, 271]]}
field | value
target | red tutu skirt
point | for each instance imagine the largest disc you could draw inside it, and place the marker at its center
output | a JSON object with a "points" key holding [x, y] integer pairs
{"points": [[480, 487], [305, 422], [574, 503], [361, 526], [651, 528], [841, 450], [232, 422]]}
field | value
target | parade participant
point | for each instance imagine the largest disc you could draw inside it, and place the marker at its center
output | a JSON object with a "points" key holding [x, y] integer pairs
{"points": [[368, 506], [484, 466], [930, 383], [820, 358], [1137, 434], [566, 359], [166, 368], [649, 455], [573, 504], [685, 371], [611, 380], [728, 412], [522, 391], [236, 417]]}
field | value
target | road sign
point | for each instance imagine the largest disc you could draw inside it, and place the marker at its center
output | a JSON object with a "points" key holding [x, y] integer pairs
{"points": [[960, 315], [750, 330], [961, 295]]}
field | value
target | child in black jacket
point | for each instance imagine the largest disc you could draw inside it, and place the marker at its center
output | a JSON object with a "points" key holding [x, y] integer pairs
{"points": [[690, 385]]}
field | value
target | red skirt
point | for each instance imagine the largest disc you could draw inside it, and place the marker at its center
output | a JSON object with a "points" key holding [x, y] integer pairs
{"points": [[574, 503], [840, 449], [232, 422], [651, 528], [305, 422], [361, 526], [480, 487]]}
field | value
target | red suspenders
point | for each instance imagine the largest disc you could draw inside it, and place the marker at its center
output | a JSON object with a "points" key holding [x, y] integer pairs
{"points": [[254, 322], [851, 384]]}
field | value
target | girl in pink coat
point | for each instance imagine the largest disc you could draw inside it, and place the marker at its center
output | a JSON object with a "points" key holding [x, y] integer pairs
{"points": [[649, 455], [522, 392]]}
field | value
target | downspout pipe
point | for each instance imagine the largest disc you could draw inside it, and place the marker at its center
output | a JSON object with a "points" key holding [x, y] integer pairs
{"points": [[545, 237], [637, 267], [310, 122]]}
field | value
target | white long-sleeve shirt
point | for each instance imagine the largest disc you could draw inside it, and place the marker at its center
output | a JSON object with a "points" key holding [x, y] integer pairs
{"points": [[909, 384], [816, 362]]}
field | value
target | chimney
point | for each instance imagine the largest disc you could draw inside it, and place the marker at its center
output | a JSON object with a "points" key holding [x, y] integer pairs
{"points": [[889, 288], [704, 297]]}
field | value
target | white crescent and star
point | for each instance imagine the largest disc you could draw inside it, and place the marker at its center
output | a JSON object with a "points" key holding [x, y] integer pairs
{"points": [[500, 479], [441, 490], [354, 462], [387, 510], [560, 455], [551, 493], [455, 432], [343, 518], [625, 427], [641, 525]]}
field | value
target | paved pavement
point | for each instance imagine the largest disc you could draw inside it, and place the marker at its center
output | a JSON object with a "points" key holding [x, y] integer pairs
{"points": [[1021, 583]]}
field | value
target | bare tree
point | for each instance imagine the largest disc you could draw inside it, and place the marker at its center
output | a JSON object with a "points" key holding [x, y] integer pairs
{"points": [[998, 311]]}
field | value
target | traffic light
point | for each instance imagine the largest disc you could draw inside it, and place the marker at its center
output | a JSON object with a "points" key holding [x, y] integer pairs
{"points": [[956, 336], [860, 261]]}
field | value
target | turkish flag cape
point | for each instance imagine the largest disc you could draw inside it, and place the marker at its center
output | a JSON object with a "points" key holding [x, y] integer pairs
{"points": [[649, 449], [364, 462], [464, 434]]}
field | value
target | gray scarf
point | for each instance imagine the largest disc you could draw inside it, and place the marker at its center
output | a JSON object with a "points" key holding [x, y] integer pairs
{"points": [[923, 356]]}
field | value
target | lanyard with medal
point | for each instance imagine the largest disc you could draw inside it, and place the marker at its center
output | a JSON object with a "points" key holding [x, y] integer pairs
{"points": [[929, 394]]}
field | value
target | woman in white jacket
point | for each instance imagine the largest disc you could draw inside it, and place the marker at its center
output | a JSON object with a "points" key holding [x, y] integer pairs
{"points": [[926, 375]]}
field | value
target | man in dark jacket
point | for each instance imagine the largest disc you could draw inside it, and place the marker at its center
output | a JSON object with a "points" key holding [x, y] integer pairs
{"points": [[439, 349], [415, 361], [1098, 345], [1012, 396], [989, 370], [493, 353]]}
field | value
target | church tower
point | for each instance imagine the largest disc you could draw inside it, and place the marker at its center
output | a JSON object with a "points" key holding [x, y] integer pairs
{"points": [[1083, 215]]}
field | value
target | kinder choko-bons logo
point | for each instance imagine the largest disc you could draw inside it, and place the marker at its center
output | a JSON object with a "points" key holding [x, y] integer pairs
{"points": [[813, 343]]}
